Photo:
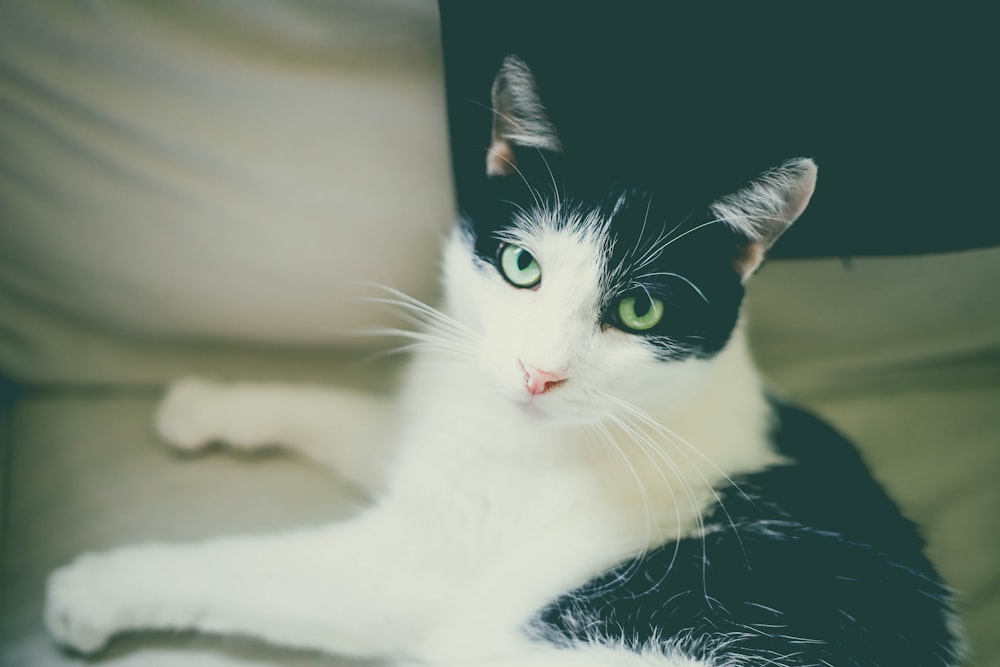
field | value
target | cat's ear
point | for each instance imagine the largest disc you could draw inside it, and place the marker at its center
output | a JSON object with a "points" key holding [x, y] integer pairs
{"points": [[519, 118], [763, 210]]}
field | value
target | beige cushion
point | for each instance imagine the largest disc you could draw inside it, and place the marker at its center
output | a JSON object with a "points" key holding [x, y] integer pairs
{"points": [[205, 168]]}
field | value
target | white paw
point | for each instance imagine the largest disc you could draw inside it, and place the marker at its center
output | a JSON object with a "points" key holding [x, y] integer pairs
{"points": [[80, 611], [185, 416]]}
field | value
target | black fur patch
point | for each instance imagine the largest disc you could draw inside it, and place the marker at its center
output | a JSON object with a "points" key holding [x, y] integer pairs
{"points": [[813, 566], [690, 254]]}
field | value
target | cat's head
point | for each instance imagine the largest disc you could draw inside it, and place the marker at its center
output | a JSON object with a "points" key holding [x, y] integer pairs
{"points": [[580, 284]]}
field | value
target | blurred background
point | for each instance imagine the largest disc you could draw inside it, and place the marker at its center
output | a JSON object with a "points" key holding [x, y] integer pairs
{"points": [[220, 169]]}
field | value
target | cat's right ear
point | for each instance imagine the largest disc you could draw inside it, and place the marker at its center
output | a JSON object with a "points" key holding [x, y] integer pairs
{"points": [[762, 211], [519, 118]]}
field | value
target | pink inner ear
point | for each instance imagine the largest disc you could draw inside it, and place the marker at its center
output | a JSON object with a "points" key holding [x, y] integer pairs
{"points": [[749, 258], [500, 159]]}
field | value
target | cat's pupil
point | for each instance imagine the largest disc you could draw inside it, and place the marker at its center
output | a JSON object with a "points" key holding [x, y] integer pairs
{"points": [[524, 260], [642, 305]]}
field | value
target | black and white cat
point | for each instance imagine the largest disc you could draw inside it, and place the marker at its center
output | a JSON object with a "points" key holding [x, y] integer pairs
{"points": [[585, 469]]}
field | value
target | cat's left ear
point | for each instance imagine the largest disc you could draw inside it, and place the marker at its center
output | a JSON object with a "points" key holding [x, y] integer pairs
{"points": [[762, 211], [519, 118]]}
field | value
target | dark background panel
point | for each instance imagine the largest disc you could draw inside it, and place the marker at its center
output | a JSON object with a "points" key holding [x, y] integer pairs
{"points": [[897, 106]]}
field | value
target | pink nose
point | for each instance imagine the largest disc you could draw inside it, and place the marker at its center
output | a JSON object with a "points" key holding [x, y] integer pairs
{"points": [[539, 382]]}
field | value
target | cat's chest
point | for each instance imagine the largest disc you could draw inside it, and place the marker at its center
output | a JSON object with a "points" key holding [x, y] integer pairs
{"points": [[498, 473], [495, 484], [568, 495]]}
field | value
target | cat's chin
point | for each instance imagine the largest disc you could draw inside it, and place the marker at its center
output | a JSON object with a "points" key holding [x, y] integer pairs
{"points": [[556, 410]]}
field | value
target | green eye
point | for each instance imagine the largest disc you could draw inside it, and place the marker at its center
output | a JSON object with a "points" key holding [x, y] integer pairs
{"points": [[640, 313], [519, 266]]}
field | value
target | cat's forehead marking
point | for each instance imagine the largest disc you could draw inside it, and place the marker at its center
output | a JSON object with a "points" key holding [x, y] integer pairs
{"points": [[623, 242], [584, 225], [627, 239]]}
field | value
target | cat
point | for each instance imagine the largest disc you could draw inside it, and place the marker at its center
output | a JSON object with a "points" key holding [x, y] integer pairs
{"points": [[584, 469]]}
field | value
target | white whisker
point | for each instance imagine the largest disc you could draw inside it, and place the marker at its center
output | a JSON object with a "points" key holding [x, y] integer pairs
{"points": [[675, 275], [616, 448], [649, 448], [602, 429], [671, 241], [673, 438], [435, 331]]}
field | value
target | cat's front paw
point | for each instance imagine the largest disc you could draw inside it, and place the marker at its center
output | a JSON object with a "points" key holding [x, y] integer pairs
{"points": [[80, 608], [185, 416]]}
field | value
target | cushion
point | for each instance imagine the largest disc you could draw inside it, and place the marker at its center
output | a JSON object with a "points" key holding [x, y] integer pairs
{"points": [[217, 170]]}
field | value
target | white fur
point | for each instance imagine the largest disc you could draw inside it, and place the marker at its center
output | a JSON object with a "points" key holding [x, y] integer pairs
{"points": [[493, 502]]}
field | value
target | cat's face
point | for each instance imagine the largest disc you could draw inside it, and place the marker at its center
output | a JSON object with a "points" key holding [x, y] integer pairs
{"points": [[577, 286]]}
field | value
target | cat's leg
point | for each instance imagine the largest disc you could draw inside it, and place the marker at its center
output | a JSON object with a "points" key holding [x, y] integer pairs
{"points": [[348, 431], [365, 587]]}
